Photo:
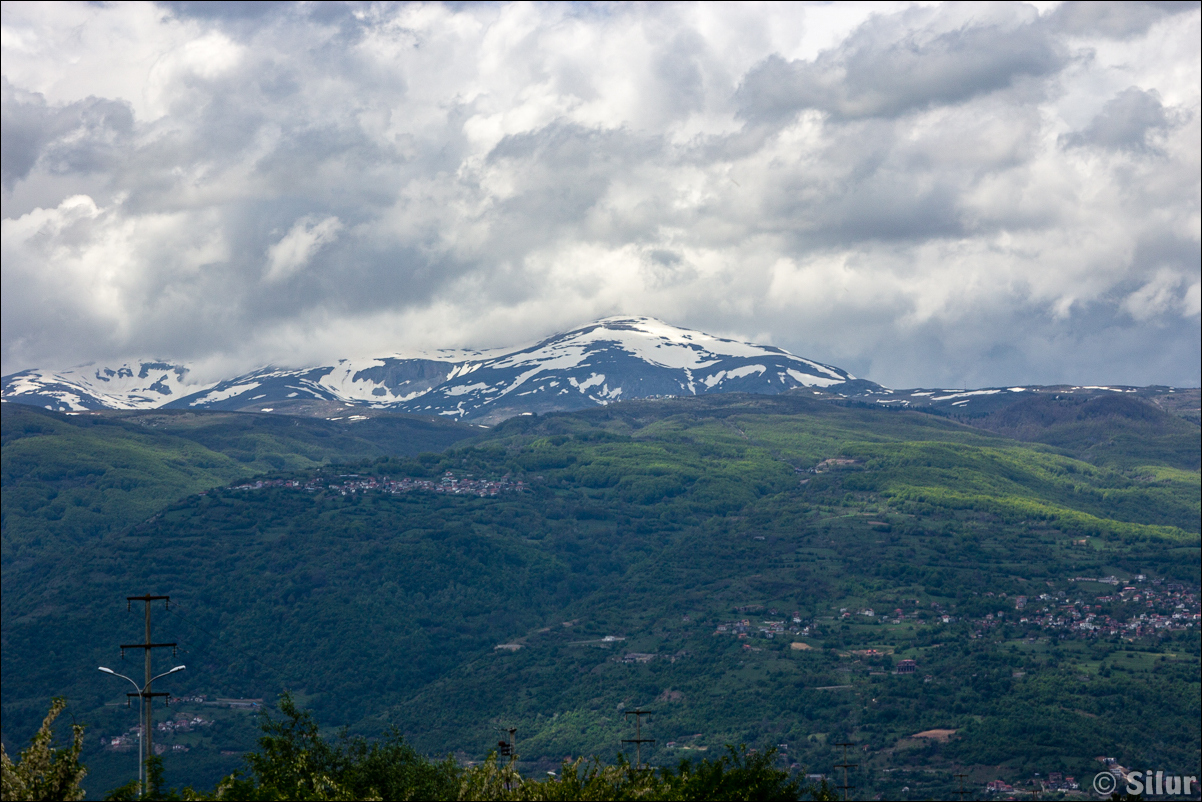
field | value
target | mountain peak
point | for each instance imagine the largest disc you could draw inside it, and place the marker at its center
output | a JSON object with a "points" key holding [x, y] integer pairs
{"points": [[619, 357]]}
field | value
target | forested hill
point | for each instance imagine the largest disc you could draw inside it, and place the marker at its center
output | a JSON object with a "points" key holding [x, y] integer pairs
{"points": [[79, 476], [1106, 429], [755, 569]]}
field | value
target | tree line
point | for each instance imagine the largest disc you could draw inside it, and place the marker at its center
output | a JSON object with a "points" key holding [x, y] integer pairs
{"points": [[293, 762]]}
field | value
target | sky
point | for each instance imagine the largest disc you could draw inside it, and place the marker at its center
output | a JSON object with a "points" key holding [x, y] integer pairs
{"points": [[923, 194]]}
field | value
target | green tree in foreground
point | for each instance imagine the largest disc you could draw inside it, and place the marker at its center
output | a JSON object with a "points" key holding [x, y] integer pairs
{"points": [[45, 771], [156, 787], [295, 763], [737, 775]]}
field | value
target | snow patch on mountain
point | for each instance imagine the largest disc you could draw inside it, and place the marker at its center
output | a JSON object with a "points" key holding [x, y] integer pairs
{"points": [[131, 384], [225, 393]]}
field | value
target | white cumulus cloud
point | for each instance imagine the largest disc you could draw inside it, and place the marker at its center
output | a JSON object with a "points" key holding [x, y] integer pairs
{"points": [[296, 248]]}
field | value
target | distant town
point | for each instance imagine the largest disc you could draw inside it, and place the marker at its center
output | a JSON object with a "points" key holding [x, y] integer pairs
{"points": [[1133, 611], [353, 483]]}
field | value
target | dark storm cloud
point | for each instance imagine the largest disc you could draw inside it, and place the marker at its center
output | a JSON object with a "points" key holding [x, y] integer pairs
{"points": [[967, 192]]}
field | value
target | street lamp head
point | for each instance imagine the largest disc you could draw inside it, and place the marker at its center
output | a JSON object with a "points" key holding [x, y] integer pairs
{"points": [[107, 670], [177, 668]]}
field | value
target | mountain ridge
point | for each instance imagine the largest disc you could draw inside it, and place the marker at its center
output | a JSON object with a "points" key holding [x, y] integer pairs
{"points": [[604, 361], [613, 359]]}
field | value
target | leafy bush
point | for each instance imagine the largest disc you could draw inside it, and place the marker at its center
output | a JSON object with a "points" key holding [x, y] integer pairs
{"points": [[44, 771]]}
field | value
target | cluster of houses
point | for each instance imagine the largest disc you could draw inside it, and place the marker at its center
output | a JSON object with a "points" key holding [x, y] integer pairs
{"points": [[998, 787], [177, 724], [1144, 608], [123, 742], [898, 615], [354, 483], [181, 723], [1135, 611], [129, 740], [1132, 611], [1056, 781], [743, 628]]}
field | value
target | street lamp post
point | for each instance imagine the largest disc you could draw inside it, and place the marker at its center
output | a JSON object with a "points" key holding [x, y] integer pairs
{"points": [[144, 717]]}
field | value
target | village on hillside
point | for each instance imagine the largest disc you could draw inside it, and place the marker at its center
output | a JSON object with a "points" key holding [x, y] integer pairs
{"points": [[353, 483]]}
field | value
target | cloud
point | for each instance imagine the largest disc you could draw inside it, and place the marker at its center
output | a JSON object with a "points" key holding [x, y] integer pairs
{"points": [[297, 247], [82, 137], [920, 194], [1114, 20], [1164, 293], [888, 68], [1124, 122]]}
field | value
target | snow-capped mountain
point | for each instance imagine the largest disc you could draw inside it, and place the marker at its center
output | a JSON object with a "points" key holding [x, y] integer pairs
{"points": [[612, 359], [133, 384]]}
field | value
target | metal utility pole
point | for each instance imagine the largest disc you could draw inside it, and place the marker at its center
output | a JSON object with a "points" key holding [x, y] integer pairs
{"points": [[508, 748], [141, 715], [146, 693], [962, 792], [638, 740], [845, 766]]}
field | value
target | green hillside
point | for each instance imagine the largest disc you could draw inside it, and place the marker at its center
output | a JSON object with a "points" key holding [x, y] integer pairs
{"points": [[620, 573], [72, 480], [1113, 430], [77, 477]]}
